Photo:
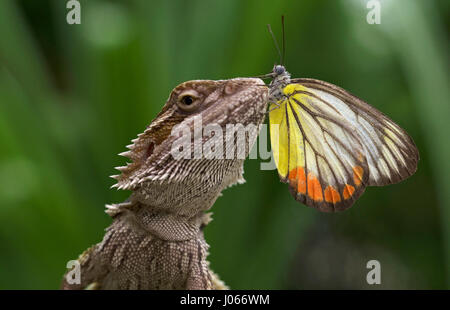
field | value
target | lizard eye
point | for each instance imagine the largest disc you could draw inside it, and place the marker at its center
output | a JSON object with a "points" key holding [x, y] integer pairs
{"points": [[188, 101]]}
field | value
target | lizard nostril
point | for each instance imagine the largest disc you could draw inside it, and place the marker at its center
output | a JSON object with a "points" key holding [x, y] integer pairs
{"points": [[230, 88]]}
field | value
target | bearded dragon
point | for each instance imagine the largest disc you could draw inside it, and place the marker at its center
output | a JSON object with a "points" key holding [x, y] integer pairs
{"points": [[156, 237]]}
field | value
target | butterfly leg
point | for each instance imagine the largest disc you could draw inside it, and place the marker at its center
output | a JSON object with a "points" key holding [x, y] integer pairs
{"points": [[276, 102], [277, 106]]}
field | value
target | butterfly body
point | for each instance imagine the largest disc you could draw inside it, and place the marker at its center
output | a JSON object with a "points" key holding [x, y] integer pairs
{"points": [[329, 145], [281, 78]]}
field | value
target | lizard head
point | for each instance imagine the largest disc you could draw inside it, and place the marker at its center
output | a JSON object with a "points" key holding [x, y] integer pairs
{"points": [[192, 112]]}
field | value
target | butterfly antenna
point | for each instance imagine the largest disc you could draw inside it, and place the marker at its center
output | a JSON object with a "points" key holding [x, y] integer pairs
{"points": [[275, 42], [284, 45], [264, 76]]}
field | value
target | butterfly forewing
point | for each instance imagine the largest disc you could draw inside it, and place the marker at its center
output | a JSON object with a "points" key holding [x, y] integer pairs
{"points": [[390, 152], [329, 145], [316, 151]]}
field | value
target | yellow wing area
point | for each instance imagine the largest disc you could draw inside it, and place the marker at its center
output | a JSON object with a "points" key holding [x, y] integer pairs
{"points": [[316, 152], [286, 139]]}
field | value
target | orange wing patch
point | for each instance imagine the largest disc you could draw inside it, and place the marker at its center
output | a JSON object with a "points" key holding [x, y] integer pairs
{"points": [[309, 189], [348, 191], [297, 178], [332, 195], [314, 188], [358, 175]]}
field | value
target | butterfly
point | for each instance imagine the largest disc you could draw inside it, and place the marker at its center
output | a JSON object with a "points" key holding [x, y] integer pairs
{"points": [[329, 145]]}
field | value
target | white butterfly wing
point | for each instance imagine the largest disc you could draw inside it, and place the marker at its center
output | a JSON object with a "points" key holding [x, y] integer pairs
{"points": [[390, 152]]}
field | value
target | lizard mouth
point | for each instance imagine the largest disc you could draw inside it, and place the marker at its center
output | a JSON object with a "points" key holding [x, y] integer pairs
{"points": [[250, 102]]}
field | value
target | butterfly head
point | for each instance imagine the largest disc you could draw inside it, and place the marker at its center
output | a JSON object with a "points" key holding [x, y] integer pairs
{"points": [[278, 70], [280, 79]]}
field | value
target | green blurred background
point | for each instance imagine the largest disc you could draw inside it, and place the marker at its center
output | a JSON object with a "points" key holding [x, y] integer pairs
{"points": [[72, 97]]}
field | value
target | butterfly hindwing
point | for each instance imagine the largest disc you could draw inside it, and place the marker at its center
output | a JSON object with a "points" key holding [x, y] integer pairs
{"points": [[316, 152], [390, 152]]}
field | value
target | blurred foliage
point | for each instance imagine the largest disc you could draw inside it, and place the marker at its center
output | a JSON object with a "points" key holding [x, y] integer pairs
{"points": [[72, 96]]}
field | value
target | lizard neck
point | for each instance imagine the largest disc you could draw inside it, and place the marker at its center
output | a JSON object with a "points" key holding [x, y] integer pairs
{"points": [[175, 211], [163, 224]]}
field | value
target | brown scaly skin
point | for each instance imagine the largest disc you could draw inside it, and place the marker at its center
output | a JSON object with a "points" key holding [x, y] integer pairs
{"points": [[156, 238]]}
